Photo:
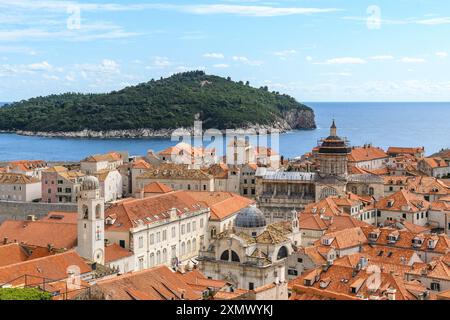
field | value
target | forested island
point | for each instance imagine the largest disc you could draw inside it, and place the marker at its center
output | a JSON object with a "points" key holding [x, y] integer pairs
{"points": [[155, 107]]}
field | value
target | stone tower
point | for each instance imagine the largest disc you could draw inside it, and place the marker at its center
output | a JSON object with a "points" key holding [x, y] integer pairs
{"points": [[332, 154], [91, 222]]}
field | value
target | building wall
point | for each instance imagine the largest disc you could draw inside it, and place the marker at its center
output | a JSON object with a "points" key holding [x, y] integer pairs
{"points": [[420, 218], [20, 210], [180, 184], [20, 192]]}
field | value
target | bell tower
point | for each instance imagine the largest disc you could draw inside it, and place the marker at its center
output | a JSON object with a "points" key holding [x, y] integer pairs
{"points": [[91, 222]]}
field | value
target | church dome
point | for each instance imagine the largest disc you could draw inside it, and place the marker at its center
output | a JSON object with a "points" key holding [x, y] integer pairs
{"points": [[250, 217], [90, 183]]}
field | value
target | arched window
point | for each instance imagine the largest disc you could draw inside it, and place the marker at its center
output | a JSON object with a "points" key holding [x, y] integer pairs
{"points": [[282, 253], [98, 211], [85, 212], [152, 260], [225, 256], [326, 192], [164, 256], [158, 258], [183, 249], [235, 257], [371, 191], [189, 246], [194, 245], [354, 190]]}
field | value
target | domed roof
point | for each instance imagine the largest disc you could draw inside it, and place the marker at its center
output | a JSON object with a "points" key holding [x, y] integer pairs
{"points": [[250, 217], [90, 183]]}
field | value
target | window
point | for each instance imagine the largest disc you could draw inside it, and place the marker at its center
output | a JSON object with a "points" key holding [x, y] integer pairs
{"points": [[188, 227], [122, 243], [183, 229], [292, 272], [282, 253], [59, 189], [251, 286], [68, 190], [173, 232], [158, 237], [141, 242], [194, 245], [141, 263], [152, 238], [164, 235], [201, 223], [204, 187], [183, 249], [225, 256], [404, 216], [194, 226], [152, 260], [435, 286], [300, 260]]}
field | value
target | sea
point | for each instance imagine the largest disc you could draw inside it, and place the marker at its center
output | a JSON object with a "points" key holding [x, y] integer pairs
{"points": [[380, 124]]}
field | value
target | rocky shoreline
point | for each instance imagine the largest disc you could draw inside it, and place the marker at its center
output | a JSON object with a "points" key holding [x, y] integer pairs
{"points": [[298, 120]]}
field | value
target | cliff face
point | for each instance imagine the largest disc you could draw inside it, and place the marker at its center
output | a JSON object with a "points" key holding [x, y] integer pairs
{"points": [[300, 119]]}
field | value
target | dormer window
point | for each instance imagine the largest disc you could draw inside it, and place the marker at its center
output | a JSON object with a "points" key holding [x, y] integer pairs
{"points": [[390, 203], [432, 243], [417, 242], [392, 238], [327, 241], [373, 236]]}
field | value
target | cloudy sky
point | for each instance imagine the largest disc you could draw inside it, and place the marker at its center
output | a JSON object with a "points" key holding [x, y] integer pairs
{"points": [[315, 50]]}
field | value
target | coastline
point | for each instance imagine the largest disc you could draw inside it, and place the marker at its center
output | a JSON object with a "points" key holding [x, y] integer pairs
{"points": [[144, 133]]}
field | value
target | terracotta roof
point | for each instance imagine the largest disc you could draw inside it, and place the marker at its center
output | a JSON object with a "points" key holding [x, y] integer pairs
{"points": [[405, 239], [52, 267], [346, 238], [61, 217], [141, 164], [435, 162], [40, 233], [199, 282], [110, 157], [128, 214], [57, 169], [12, 253], [16, 178], [157, 187], [427, 185], [403, 150], [222, 204], [366, 153], [437, 269], [174, 172], [343, 283], [27, 165], [404, 201], [159, 283], [337, 223], [115, 252]]}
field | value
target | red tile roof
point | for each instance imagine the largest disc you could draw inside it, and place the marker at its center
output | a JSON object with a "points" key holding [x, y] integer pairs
{"points": [[159, 283], [157, 187], [115, 252]]}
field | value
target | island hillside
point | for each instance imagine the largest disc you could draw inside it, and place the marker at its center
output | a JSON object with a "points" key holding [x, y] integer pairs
{"points": [[150, 108]]}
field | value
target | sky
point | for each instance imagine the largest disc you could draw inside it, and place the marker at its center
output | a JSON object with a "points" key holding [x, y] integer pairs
{"points": [[314, 50]]}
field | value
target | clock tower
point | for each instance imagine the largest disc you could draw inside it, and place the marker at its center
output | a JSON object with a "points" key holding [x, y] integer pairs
{"points": [[91, 221]]}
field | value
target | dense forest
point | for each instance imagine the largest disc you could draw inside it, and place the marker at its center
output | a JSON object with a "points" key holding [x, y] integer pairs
{"points": [[158, 104]]}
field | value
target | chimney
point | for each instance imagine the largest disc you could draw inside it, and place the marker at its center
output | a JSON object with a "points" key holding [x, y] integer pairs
{"points": [[50, 247], [5, 240]]}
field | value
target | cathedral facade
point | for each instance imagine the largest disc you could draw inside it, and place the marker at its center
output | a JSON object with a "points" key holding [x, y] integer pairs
{"points": [[278, 193]]}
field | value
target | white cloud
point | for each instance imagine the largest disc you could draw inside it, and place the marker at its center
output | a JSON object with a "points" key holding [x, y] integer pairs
{"points": [[309, 58], [214, 55], [285, 53], [435, 21], [344, 60], [382, 57], [221, 66], [247, 61], [253, 11], [412, 60], [161, 62], [40, 66], [442, 54]]}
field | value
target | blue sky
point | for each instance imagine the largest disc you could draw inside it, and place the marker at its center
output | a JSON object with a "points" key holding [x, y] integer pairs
{"points": [[315, 50]]}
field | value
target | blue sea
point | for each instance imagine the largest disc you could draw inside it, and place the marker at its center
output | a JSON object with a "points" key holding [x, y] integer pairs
{"points": [[382, 124]]}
